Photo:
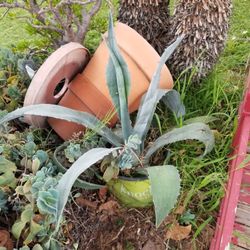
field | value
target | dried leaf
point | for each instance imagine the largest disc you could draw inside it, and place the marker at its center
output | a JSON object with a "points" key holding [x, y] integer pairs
{"points": [[177, 232], [150, 245], [109, 206], [4, 235], [85, 203], [103, 193], [38, 218], [5, 240], [179, 210]]}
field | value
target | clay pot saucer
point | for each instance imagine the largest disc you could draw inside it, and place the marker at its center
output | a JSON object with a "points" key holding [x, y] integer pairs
{"points": [[52, 79]]}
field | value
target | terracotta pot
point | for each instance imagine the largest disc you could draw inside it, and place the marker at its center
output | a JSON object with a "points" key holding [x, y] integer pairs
{"points": [[89, 92], [52, 79]]}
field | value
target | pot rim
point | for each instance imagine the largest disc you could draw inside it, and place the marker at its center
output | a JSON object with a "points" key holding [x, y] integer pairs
{"points": [[126, 178]]}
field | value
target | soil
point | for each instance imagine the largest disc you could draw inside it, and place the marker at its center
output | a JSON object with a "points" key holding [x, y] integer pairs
{"points": [[96, 220]]}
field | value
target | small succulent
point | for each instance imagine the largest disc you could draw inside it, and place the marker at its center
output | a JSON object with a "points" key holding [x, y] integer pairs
{"points": [[7, 173], [41, 211], [3, 201]]}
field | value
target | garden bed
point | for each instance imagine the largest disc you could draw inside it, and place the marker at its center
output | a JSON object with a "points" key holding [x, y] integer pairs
{"points": [[95, 219]]}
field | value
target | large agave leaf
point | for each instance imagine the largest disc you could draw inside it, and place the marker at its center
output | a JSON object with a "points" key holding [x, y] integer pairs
{"points": [[118, 81], [171, 99], [113, 44], [66, 182], [144, 117], [195, 131], [67, 114], [165, 189]]}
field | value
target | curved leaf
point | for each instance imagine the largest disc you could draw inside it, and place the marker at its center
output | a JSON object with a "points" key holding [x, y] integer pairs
{"points": [[195, 131], [122, 62], [118, 81], [171, 99], [17, 228], [165, 189], [35, 228], [63, 113], [66, 182], [47, 201], [78, 183], [148, 104], [7, 176], [204, 119]]}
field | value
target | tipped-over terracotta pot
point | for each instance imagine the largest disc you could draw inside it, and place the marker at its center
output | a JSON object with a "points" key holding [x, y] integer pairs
{"points": [[88, 91]]}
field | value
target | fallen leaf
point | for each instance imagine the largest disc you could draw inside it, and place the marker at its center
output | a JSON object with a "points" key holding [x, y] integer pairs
{"points": [[170, 219], [177, 232], [179, 210], [103, 193], [38, 218], [67, 228], [109, 206], [150, 245], [4, 235], [103, 217], [85, 203], [5, 240]]}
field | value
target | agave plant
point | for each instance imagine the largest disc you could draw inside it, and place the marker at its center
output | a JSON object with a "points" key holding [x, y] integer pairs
{"points": [[128, 148]]}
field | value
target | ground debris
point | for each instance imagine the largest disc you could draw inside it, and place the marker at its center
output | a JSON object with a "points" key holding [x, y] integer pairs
{"points": [[5, 240], [178, 232]]}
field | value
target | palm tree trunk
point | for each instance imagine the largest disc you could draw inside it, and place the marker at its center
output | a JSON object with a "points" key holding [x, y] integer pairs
{"points": [[148, 17], [205, 24]]}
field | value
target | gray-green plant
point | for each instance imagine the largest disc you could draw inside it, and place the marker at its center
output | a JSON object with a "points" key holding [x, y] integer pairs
{"points": [[39, 190], [129, 147], [32, 193], [13, 77], [3, 201], [7, 173]]}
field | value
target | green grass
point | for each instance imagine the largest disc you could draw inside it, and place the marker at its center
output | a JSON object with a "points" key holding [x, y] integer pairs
{"points": [[13, 29], [219, 96], [203, 181]]}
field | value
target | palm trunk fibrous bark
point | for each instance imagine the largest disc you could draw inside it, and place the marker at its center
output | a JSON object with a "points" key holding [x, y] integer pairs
{"points": [[148, 17], [205, 24]]}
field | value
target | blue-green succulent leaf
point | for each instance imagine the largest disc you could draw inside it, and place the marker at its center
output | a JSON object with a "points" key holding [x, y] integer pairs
{"points": [[195, 131], [66, 182], [118, 81], [63, 113], [47, 202], [148, 104], [165, 189], [172, 100]]}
